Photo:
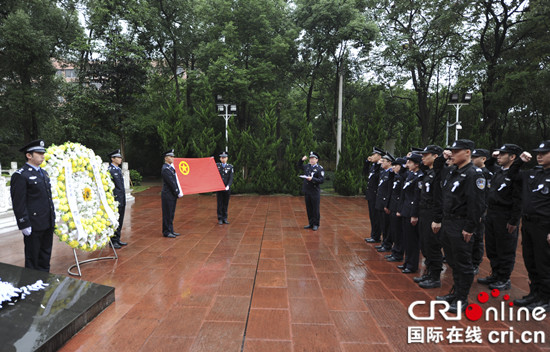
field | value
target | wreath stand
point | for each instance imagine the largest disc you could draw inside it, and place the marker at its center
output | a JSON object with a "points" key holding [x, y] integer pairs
{"points": [[77, 265]]}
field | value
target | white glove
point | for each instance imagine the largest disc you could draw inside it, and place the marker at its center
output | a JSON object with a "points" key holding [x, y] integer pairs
{"points": [[27, 231], [227, 188]]}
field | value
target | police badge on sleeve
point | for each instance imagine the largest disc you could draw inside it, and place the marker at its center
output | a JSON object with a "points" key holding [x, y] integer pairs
{"points": [[480, 183]]}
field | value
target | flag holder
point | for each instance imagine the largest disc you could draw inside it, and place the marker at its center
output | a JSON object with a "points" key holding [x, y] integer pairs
{"points": [[77, 263]]}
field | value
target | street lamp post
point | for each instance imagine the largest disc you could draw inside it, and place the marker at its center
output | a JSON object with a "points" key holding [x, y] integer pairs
{"points": [[227, 111], [454, 101]]}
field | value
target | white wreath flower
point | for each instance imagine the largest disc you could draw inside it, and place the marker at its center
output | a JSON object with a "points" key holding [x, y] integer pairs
{"points": [[82, 192]]}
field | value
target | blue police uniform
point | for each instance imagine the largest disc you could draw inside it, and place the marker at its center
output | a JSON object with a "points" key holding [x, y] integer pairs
{"points": [[226, 172], [120, 195], [33, 208]]}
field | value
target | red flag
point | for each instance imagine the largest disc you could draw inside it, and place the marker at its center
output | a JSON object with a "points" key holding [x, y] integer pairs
{"points": [[198, 175]]}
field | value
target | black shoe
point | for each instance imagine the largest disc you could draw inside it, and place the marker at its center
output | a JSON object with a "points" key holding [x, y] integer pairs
{"points": [[115, 245], [476, 269], [378, 246], [315, 228], [421, 278], [170, 235], [526, 300], [388, 256], [122, 243], [408, 271], [308, 226], [175, 234], [225, 221], [501, 285], [402, 266], [487, 280], [220, 222], [449, 297], [540, 303], [371, 240], [384, 249], [430, 283], [454, 305], [394, 259]]}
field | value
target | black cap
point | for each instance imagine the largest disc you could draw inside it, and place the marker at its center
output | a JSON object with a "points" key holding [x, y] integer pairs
{"points": [[388, 157], [115, 154], [462, 144], [543, 147], [169, 152], [376, 150], [399, 161], [224, 155], [313, 155], [416, 149], [434, 149], [34, 146], [416, 158], [510, 149], [481, 152]]}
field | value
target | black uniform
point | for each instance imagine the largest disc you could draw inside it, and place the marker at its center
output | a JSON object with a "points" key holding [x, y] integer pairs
{"points": [[396, 225], [169, 198], [372, 190], [463, 203], [31, 197], [478, 250], [535, 229], [312, 191], [385, 184], [120, 196], [226, 172], [503, 207], [410, 198]]}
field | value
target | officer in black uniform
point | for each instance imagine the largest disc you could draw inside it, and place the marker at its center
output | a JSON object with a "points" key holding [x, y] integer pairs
{"points": [[383, 194], [31, 197], [463, 204], [169, 195], [410, 198], [481, 157], [396, 225], [502, 219], [535, 229], [373, 167], [226, 172], [120, 194], [313, 175], [430, 245]]}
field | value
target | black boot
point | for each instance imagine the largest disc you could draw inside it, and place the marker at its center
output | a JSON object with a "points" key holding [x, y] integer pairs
{"points": [[448, 297], [487, 280], [527, 300], [455, 304]]}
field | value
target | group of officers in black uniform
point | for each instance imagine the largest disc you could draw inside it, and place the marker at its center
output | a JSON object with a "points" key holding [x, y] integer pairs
{"points": [[442, 203]]}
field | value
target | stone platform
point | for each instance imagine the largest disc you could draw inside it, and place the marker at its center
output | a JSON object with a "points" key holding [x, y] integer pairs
{"points": [[45, 319]]}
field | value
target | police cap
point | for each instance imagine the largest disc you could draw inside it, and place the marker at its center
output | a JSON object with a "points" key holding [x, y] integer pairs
{"points": [[510, 149], [314, 155], [462, 144], [543, 147], [169, 152], [34, 146], [415, 158], [223, 155], [481, 152], [115, 154], [434, 149]]}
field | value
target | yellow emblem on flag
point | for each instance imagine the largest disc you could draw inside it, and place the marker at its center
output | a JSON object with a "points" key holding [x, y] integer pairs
{"points": [[184, 168]]}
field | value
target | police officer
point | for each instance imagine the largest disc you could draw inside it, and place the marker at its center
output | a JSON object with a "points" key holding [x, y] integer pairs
{"points": [[314, 176], [373, 167], [410, 198], [430, 244], [383, 194], [463, 203], [479, 158], [502, 219], [226, 172], [171, 191], [396, 226], [120, 194], [535, 229], [31, 197]]}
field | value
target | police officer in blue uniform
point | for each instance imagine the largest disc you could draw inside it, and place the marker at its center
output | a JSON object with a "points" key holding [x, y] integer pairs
{"points": [[33, 207], [373, 169], [462, 206], [314, 176], [226, 173], [119, 193], [502, 219], [169, 195], [535, 229]]}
